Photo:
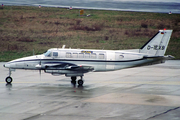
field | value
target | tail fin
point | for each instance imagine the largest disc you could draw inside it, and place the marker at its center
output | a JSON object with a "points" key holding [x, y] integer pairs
{"points": [[157, 45]]}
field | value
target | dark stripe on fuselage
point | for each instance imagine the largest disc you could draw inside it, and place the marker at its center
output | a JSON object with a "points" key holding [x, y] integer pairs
{"points": [[55, 60]]}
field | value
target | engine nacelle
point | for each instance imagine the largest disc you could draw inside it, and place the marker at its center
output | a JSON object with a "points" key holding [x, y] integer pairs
{"points": [[54, 71], [56, 74], [62, 72], [74, 74]]}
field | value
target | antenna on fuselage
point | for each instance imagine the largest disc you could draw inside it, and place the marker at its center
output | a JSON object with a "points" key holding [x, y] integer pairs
{"points": [[63, 46]]}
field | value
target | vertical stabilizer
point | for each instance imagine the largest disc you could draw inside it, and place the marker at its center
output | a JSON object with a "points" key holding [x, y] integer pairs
{"points": [[157, 45]]}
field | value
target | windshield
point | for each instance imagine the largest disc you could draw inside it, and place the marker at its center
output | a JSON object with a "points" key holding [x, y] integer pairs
{"points": [[47, 54]]}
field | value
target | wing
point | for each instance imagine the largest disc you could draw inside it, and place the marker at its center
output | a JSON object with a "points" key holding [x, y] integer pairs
{"points": [[65, 66]]}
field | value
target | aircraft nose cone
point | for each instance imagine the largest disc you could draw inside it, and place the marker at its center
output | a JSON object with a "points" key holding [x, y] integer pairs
{"points": [[6, 65]]}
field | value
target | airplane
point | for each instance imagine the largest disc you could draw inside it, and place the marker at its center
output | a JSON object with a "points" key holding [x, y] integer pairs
{"points": [[76, 62]]}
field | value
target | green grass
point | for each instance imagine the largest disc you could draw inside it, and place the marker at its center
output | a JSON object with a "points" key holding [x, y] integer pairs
{"points": [[10, 55], [24, 28]]}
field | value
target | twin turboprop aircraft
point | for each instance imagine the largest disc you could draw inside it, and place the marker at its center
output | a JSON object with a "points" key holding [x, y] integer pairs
{"points": [[76, 62]]}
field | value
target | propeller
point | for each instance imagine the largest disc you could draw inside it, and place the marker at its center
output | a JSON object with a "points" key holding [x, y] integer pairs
{"points": [[40, 67]]}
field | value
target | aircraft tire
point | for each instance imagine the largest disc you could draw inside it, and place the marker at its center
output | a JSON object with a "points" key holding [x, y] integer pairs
{"points": [[80, 82], [9, 80], [73, 78], [73, 82]]}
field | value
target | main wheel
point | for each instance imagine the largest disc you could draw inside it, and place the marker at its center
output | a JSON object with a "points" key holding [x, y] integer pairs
{"points": [[80, 82], [9, 80], [73, 78], [73, 82]]}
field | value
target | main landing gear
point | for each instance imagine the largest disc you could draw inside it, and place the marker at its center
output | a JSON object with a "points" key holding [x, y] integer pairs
{"points": [[80, 81], [9, 78]]}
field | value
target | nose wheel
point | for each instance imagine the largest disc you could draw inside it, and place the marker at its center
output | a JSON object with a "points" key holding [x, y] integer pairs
{"points": [[9, 80]]}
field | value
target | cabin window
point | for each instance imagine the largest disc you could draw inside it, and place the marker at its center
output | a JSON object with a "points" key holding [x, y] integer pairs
{"points": [[93, 56], [55, 54], [68, 55], [121, 56], [74, 55], [81, 55], [101, 56], [87, 55]]}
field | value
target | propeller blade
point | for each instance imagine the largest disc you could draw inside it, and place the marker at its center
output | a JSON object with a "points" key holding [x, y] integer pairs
{"points": [[40, 68], [40, 61], [40, 74]]}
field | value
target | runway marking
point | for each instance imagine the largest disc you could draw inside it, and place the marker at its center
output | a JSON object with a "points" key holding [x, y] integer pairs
{"points": [[27, 82], [149, 83], [140, 99]]}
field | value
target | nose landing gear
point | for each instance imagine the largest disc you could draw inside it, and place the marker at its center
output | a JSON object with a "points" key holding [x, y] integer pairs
{"points": [[9, 78]]}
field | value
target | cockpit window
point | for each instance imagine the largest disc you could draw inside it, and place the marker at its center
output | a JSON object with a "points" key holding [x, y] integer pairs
{"points": [[55, 54], [48, 54]]}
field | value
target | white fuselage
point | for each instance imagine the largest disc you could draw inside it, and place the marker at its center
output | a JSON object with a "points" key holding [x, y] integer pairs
{"points": [[101, 60]]}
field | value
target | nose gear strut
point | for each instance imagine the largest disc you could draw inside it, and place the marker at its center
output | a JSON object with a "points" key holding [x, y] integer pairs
{"points": [[9, 78]]}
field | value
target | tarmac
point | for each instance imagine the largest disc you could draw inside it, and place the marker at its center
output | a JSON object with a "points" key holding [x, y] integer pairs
{"points": [[142, 93]]}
